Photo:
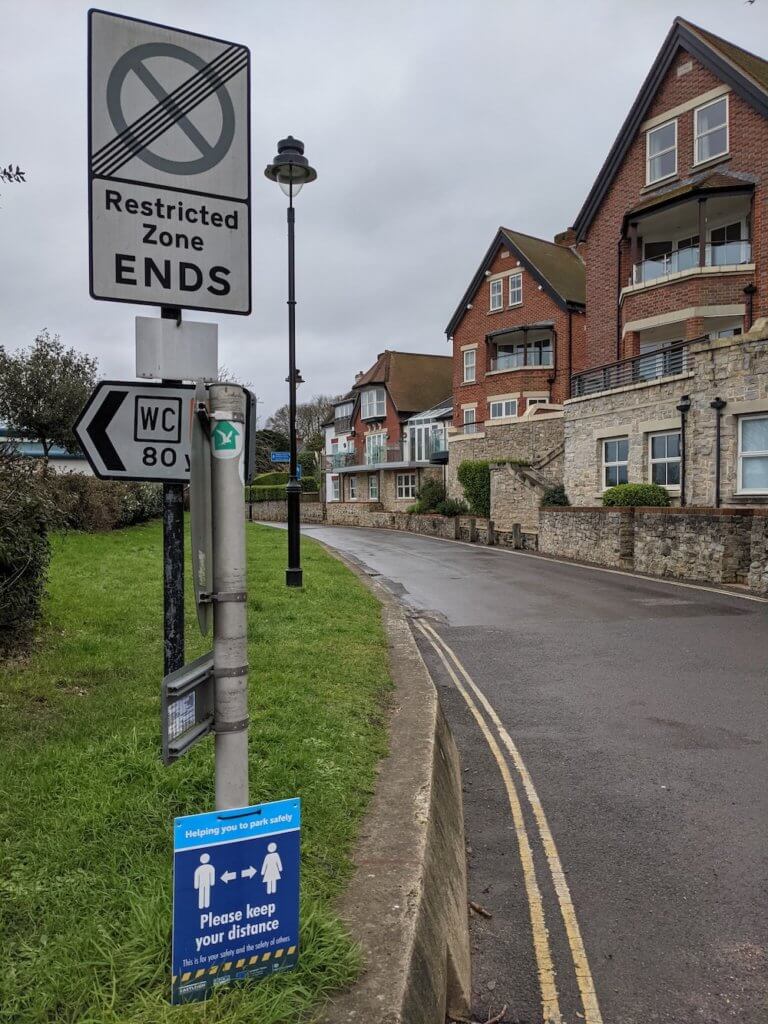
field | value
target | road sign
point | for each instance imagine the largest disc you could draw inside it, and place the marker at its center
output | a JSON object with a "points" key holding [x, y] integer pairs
{"points": [[166, 350], [169, 166], [235, 896], [201, 515], [279, 456], [137, 431], [186, 707]]}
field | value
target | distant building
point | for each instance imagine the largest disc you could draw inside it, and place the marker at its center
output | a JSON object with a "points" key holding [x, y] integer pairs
{"points": [[59, 459]]}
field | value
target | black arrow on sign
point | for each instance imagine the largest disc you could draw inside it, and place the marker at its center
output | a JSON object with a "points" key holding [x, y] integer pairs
{"points": [[97, 430]]}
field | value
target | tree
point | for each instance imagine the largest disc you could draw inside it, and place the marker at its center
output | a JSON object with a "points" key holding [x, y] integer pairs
{"points": [[43, 389], [9, 175], [310, 417], [267, 441]]}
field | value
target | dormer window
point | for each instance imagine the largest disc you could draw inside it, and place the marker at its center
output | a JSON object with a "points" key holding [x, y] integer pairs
{"points": [[711, 130], [374, 404], [661, 152]]}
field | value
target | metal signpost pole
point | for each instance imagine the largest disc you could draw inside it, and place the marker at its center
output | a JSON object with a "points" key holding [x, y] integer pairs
{"points": [[173, 558], [293, 574], [227, 405]]}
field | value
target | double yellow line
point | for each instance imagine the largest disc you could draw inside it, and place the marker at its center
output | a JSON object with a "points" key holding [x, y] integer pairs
{"points": [[549, 998]]}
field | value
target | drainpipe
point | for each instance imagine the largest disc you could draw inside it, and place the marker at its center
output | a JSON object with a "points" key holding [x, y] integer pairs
{"points": [[718, 405], [570, 351], [618, 298], [683, 408], [749, 291]]}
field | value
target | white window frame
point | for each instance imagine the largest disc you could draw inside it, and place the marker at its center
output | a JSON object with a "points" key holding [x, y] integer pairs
{"points": [[373, 478], [494, 286], [749, 455], [619, 462], [518, 278], [372, 441], [352, 490], [374, 397], [406, 486], [697, 135], [536, 401], [335, 492], [469, 416], [503, 402], [665, 461], [648, 157], [466, 367]]}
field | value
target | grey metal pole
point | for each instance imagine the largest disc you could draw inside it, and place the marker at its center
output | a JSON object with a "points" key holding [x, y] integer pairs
{"points": [[230, 652], [294, 576]]}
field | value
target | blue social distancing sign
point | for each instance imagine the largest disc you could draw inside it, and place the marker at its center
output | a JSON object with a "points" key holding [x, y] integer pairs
{"points": [[235, 896]]}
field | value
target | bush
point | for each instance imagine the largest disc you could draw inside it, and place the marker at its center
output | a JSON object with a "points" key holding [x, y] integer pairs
{"points": [[26, 515], [92, 505], [258, 493], [451, 507], [636, 495], [554, 497], [429, 496], [475, 478], [270, 479]]}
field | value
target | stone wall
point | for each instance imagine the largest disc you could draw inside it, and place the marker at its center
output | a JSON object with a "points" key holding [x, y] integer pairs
{"points": [[602, 536], [734, 369], [517, 491], [530, 440], [720, 546], [312, 510]]}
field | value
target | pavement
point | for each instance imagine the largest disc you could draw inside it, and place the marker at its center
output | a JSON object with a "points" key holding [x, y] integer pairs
{"points": [[612, 731]]}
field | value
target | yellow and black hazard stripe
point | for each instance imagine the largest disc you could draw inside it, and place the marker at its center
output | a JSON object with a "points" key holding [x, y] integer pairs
{"points": [[237, 965]]}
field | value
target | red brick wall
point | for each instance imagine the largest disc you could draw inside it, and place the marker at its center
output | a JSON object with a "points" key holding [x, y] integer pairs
{"points": [[748, 143], [478, 321], [390, 424]]}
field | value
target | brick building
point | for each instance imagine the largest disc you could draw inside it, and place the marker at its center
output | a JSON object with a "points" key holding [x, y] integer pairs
{"points": [[674, 234], [382, 450]]}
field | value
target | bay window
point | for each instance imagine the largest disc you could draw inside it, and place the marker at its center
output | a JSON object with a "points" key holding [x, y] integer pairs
{"points": [[374, 404]]}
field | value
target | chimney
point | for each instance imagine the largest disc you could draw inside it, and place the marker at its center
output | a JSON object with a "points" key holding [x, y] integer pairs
{"points": [[358, 376], [566, 238]]}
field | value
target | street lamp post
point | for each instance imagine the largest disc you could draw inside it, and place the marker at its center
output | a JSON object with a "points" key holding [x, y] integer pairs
{"points": [[291, 170]]}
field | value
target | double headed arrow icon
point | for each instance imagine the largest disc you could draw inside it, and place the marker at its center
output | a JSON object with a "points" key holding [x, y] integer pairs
{"points": [[229, 876]]}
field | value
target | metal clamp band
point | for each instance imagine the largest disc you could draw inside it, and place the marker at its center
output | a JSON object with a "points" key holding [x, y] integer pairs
{"points": [[236, 597], [230, 673], [240, 726]]}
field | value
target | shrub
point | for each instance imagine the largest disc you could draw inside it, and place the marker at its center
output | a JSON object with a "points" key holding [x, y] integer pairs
{"points": [[636, 495], [92, 505], [554, 496], [26, 514], [429, 496], [258, 493], [270, 479], [475, 478], [451, 507]]}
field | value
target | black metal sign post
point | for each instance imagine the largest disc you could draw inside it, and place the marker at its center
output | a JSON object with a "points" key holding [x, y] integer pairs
{"points": [[173, 558]]}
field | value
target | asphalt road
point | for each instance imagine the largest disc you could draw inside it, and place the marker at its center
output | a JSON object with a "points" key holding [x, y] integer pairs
{"points": [[615, 780]]}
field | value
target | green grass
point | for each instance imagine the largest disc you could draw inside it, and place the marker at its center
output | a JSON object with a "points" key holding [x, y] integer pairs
{"points": [[86, 808]]}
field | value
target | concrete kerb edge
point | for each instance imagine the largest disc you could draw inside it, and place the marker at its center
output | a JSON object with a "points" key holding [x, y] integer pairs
{"points": [[406, 904]]}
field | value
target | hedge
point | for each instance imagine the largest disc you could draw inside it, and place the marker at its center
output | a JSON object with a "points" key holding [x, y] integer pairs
{"points": [[257, 493], [26, 513], [475, 478], [651, 495], [92, 505], [270, 479]]}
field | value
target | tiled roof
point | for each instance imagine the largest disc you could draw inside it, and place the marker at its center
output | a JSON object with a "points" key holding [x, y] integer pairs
{"points": [[752, 65], [561, 267], [415, 380], [717, 181]]}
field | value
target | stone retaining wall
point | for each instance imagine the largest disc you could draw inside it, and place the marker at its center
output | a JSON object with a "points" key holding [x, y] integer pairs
{"points": [[720, 546], [277, 511]]}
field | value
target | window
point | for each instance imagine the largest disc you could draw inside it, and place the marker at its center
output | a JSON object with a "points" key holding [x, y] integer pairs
{"points": [[497, 294], [515, 289], [727, 248], [710, 130], [343, 411], [374, 403], [661, 152], [425, 440], [469, 421], [470, 361], [373, 487], [532, 353], [503, 408], [352, 488], [334, 488], [537, 401], [615, 459], [406, 485], [664, 451], [753, 455], [374, 449]]}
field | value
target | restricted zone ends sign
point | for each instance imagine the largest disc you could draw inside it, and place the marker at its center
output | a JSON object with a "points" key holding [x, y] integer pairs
{"points": [[169, 166]]}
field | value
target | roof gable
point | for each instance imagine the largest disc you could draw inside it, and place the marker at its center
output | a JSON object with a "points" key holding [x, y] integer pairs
{"points": [[557, 268], [744, 72], [414, 380]]}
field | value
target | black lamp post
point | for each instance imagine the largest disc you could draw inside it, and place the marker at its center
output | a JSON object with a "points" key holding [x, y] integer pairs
{"points": [[291, 170]]}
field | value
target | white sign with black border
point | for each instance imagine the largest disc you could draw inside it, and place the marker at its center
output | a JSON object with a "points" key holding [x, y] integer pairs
{"points": [[169, 166]]}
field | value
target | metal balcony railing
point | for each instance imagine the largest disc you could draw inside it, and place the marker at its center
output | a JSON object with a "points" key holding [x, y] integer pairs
{"points": [[662, 362], [342, 425], [379, 455], [476, 427], [716, 254]]}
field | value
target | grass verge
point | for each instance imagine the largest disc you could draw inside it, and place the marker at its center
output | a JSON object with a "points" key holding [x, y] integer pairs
{"points": [[86, 807]]}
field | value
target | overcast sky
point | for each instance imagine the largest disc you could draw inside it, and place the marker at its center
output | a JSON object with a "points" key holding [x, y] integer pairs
{"points": [[429, 125]]}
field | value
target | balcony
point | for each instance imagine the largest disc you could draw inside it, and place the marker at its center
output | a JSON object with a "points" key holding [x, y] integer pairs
{"points": [[467, 429], [372, 458], [718, 254], [662, 362]]}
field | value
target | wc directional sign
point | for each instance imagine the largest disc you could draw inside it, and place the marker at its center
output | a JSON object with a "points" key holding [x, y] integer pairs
{"points": [[138, 431], [235, 896], [169, 166]]}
